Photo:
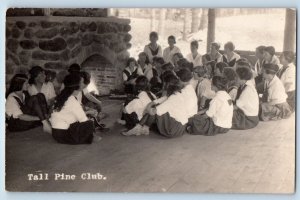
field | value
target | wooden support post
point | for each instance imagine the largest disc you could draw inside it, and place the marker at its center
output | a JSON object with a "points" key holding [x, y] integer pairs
{"points": [[290, 30], [211, 28]]}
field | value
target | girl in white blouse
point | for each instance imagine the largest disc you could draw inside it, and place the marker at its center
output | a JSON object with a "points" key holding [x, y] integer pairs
{"points": [[194, 56], [218, 118], [287, 75], [153, 49], [22, 111], [70, 124], [38, 85], [230, 57], [273, 105], [245, 114], [170, 116]]}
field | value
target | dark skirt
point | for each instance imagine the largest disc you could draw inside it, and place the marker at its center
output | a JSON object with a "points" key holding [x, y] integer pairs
{"points": [[129, 88], [78, 133], [291, 100], [240, 121], [130, 119], [204, 125], [17, 125], [169, 127], [274, 112]]}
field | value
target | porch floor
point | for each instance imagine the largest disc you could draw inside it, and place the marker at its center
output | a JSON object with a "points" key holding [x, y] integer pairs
{"points": [[261, 160]]}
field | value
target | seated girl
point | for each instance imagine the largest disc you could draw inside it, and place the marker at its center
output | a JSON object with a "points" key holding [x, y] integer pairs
{"points": [[274, 105], [70, 124], [153, 48], [287, 75], [145, 66], [89, 101], [170, 117], [205, 59], [22, 111], [130, 73], [230, 57], [232, 88], [134, 110], [203, 88], [269, 56], [175, 59], [171, 49], [188, 91], [38, 85], [195, 57], [214, 52], [218, 117], [245, 113]]}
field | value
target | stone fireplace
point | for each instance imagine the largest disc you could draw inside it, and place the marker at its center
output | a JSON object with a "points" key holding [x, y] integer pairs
{"points": [[98, 44]]}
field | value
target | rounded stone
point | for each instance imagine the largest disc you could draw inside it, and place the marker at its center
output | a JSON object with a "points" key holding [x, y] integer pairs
{"points": [[92, 26], [15, 33], [127, 28], [21, 25], [56, 44], [28, 33], [83, 27], [127, 37], [65, 55], [49, 33], [74, 27], [39, 55], [28, 44], [12, 45]]}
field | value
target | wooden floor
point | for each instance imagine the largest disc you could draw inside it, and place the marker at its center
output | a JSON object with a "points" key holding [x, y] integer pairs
{"points": [[261, 160]]}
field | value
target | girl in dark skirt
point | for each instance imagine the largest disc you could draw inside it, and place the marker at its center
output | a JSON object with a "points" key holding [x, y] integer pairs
{"points": [[130, 73], [22, 111], [232, 87], [133, 111], [218, 118], [287, 75], [70, 124], [273, 105], [245, 114], [170, 117]]}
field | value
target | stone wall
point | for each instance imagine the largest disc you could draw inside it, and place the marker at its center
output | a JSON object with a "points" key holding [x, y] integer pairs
{"points": [[54, 43]]}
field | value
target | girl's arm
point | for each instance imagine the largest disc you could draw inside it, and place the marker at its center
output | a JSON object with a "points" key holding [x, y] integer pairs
{"points": [[26, 117], [92, 98]]}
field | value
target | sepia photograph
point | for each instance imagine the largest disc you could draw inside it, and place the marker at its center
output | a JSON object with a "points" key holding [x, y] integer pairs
{"points": [[150, 100]]}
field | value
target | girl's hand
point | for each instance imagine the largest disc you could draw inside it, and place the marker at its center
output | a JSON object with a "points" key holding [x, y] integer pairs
{"points": [[92, 112]]}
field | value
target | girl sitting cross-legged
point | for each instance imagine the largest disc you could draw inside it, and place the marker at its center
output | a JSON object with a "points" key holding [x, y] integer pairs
{"points": [[170, 117], [218, 117], [24, 112], [274, 105], [133, 111], [245, 114], [70, 124]]}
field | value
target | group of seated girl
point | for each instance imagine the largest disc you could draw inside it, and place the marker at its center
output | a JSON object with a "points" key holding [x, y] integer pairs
{"points": [[206, 96], [71, 115]]}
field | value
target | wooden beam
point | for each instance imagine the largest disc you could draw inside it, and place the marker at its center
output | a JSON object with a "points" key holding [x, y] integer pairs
{"points": [[211, 28], [290, 30]]}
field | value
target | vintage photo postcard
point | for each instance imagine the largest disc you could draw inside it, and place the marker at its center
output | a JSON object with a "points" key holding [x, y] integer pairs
{"points": [[164, 100]]}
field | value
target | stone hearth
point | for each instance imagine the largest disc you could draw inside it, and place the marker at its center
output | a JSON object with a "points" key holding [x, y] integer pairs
{"points": [[99, 44]]}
